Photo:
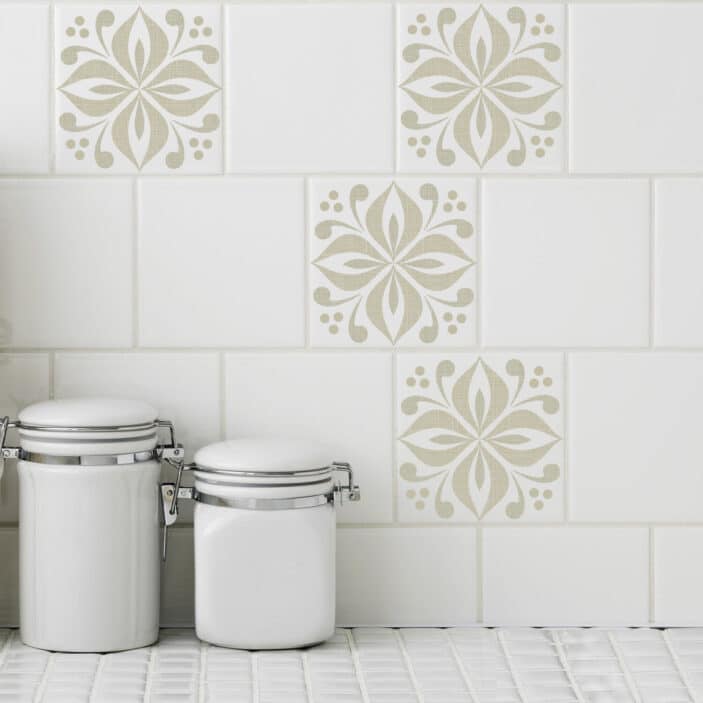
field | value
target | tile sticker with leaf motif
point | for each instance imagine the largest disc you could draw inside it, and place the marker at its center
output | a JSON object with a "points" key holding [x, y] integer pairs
{"points": [[392, 262], [138, 88], [480, 437], [481, 87]]}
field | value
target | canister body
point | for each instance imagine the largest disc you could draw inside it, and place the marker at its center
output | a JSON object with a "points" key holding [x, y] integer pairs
{"points": [[89, 556], [264, 579]]}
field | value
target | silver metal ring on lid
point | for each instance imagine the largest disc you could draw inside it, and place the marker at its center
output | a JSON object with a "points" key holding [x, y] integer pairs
{"points": [[266, 474]]}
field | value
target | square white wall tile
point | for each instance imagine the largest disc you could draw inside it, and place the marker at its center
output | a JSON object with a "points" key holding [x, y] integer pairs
{"points": [[138, 89], [678, 576], [309, 87], [480, 437], [634, 428], [392, 262], [9, 577], [66, 267], [678, 284], [340, 400], [184, 388], [565, 262], [566, 576], [24, 118], [221, 262], [481, 87], [635, 103], [406, 576], [24, 379]]}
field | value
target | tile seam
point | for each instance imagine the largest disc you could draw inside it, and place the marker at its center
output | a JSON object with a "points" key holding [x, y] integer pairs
{"points": [[95, 687], [6, 647], [566, 415], [52, 79], [356, 663], [255, 693], [306, 263], [679, 667], [223, 100], [43, 681], [150, 673], [651, 576], [561, 653], [479, 195], [202, 673], [409, 665], [627, 674], [395, 484], [462, 669], [511, 667], [136, 208], [652, 263], [307, 677]]}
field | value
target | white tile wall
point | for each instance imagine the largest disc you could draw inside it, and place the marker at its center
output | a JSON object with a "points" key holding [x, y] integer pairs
{"points": [[678, 291], [677, 586], [24, 33], [566, 575], [566, 263], [180, 258], [67, 278], [633, 437], [406, 576], [310, 87], [634, 108]]}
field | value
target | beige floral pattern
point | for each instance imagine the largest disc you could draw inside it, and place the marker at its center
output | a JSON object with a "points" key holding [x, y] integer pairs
{"points": [[137, 87], [481, 85], [392, 263], [480, 434]]}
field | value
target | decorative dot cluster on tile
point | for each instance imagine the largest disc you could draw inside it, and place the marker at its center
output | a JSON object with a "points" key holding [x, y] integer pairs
{"points": [[138, 89], [481, 87], [392, 262], [480, 437]]}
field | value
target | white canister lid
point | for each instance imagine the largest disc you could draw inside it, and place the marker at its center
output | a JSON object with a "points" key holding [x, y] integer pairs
{"points": [[258, 455], [88, 412], [88, 426]]}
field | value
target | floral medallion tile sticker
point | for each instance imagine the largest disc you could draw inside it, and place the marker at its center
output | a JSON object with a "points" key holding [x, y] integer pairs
{"points": [[138, 88], [392, 262], [480, 437], [480, 87]]}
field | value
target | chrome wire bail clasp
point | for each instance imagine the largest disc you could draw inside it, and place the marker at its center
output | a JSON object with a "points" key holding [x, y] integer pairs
{"points": [[172, 454], [6, 452], [350, 488]]}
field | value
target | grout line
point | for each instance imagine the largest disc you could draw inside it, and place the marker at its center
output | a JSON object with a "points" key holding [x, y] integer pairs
{"points": [[479, 573], [462, 669], [561, 653], [511, 667], [223, 93], [255, 697], [652, 261], [395, 131], [478, 194], [41, 687], [567, 111], [306, 265], [679, 667], [150, 674], [202, 674], [566, 381], [52, 96], [394, 442], [51, 358], [409, 665], [356, 662], [652, 612], [631, 686], [136, 208], [6, 647], [306, 676], [94, 688]]}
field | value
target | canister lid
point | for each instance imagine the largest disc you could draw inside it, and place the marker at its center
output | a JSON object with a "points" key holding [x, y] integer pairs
{"points": [[258, 455], [105, 413]]}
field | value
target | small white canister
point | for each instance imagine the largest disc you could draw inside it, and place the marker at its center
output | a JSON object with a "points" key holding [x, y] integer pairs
{"points": [[91, 511], [264, 531]]}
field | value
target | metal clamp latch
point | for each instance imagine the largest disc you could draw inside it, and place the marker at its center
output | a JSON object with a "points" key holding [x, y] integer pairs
{"points": [[350, 488], [7, 452]]}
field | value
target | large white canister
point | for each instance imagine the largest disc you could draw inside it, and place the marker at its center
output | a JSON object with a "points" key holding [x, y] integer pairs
{"points": [[91, 511], [264, 531]]}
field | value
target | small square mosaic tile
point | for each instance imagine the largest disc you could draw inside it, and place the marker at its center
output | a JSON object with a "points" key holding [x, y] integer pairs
{"points": [[480, 437], [392, 262], [138, 89], [480, 87]]}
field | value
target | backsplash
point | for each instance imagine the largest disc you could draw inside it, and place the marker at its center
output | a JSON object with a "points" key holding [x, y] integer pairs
{"points": [[458, 243]]}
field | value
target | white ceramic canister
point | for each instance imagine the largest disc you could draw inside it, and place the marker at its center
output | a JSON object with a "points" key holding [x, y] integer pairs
{"points": [[264, 532], [91, 512]]}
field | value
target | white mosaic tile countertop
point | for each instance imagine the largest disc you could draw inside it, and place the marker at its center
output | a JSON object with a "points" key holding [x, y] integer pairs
{"points": [[375, 665]]}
